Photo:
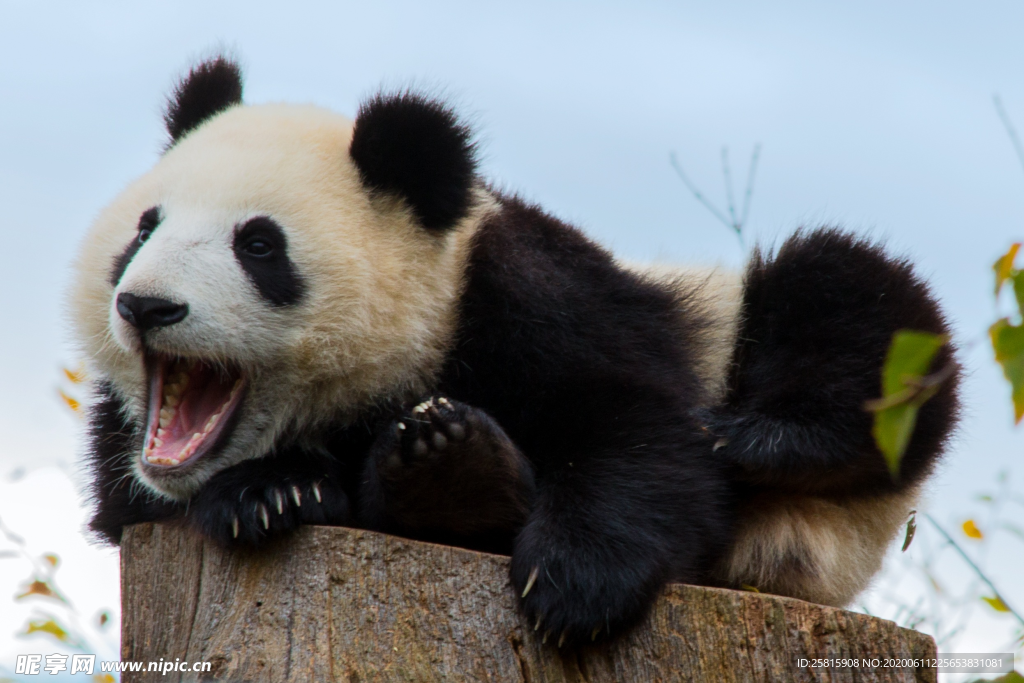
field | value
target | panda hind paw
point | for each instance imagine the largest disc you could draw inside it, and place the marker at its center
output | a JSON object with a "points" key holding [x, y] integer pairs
{"points": [[430, 428]]}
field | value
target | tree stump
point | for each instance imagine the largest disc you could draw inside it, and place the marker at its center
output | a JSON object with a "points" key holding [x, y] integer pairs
{"points": [[336, 604]]}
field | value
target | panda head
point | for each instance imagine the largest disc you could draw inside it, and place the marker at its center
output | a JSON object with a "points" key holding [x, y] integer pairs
{"points": [[279, 268]]}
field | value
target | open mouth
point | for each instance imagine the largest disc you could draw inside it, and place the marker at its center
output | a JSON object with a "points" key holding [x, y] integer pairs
{"points": [[190, 409]]}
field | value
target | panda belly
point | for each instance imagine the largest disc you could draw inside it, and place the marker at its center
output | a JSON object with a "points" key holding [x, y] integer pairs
{"points": [[819, 549]]}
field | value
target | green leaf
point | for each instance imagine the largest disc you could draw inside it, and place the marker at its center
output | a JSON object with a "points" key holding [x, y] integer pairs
{"points": [[1003, 267], [904, 391], [910, 356], [1008, 344], [1018, 289]]}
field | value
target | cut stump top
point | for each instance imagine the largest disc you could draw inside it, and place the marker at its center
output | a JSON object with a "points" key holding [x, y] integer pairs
{"points": [[338, 604]]}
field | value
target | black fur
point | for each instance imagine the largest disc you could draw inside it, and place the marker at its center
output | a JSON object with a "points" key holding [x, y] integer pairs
{"points": [[261, 248], [148, 222], [819, 317], [588, 369], [258, 499], [408, 145], [210, 88], [119, 499]]}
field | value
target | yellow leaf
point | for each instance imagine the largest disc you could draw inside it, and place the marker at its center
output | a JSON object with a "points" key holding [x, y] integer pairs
{"points": [[49, 626], [103, 678], [52, 559], [72, 403], [972, 530], [1004, 266], [996, 603], [750, 588], [75, 376], [40, 588]]}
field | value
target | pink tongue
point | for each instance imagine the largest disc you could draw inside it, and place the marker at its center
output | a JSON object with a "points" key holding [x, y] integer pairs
{"points": [[204, 395]]}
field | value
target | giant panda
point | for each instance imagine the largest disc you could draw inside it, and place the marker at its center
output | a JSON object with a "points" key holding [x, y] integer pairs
{"points": [[296, 318]]}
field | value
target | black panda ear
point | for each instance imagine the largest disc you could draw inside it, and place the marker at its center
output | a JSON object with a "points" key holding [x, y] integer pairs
{"points": [[416, 147], [210, 88]]}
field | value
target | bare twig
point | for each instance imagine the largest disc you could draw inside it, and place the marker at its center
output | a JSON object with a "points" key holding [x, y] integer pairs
{"points": [[750, 182], [1010, 130], [732, 222], [977, 570], [696, 193], [727, 176]]}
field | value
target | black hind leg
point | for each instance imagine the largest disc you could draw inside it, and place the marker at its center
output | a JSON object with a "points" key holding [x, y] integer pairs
{"points": [[818, 318]]}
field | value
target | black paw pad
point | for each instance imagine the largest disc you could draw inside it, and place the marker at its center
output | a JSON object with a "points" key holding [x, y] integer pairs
{"points": [[429, 429]]}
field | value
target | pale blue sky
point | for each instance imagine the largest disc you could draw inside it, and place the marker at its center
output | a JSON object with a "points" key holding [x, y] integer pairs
{"points": [[873, 115]]}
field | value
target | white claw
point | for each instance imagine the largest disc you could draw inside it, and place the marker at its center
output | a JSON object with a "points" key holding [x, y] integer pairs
{"points": [[264, 517], [316, 492], [234, 527], [279, 501], [721, 443], [530, 581], [297, 496]]}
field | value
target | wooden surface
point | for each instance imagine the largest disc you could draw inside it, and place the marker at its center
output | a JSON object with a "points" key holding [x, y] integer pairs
{"points": [[334, 604]]}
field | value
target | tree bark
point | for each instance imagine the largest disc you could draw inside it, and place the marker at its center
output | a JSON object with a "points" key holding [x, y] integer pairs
{"points": [[335, 604]]}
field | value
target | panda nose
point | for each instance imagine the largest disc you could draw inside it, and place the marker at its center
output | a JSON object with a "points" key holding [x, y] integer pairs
{"points": [[146, 312]]}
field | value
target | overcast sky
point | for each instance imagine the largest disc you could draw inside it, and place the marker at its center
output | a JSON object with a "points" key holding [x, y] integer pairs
{"points": [[876, 116]]}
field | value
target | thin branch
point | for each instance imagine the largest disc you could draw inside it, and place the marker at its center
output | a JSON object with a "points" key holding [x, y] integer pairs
{"points": [[697, 194], [1011, 131], [727, 176], [977, 570], [750, 182]]}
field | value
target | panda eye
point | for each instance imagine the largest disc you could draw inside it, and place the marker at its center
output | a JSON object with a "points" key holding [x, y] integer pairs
{"points": [[258, 248], [148, 222]]}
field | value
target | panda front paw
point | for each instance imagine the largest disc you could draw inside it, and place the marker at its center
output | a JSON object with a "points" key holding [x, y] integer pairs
{"points": [[444, 470], [247, 505]]}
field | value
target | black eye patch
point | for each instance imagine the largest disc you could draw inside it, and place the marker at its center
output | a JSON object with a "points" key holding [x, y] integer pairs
{"points": [[148, 222], [261, 248]]}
